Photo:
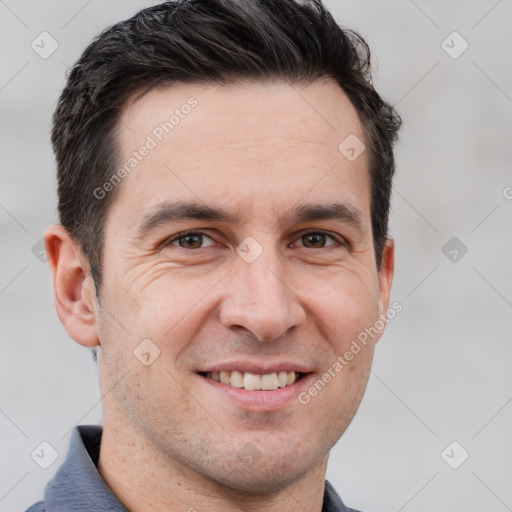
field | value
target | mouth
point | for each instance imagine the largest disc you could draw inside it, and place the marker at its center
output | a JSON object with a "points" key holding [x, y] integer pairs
{"points": [[255, 386], [254, 381]]}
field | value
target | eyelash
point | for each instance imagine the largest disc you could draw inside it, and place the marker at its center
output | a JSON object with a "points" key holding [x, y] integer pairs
{"points": [[186, 233]]}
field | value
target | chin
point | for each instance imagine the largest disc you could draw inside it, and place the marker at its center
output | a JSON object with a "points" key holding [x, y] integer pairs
{"points": [[250, 471], [258, 479]]}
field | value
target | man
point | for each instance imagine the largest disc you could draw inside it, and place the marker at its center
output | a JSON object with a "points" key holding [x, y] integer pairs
{"points": [[224, 171]]}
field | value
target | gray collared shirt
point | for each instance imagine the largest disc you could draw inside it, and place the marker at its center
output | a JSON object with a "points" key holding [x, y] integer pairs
{"points": [[78, 486]]}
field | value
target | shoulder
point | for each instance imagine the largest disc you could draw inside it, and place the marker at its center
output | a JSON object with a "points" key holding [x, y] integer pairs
{"points": [[36, 507]]}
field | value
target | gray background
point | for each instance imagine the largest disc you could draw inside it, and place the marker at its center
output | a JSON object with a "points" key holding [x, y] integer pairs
{"points": [[442, 369]]}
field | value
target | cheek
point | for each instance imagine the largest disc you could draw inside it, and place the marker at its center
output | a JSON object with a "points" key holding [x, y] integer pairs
{"points": [[152, 305], [346, 307], [342, 304], [170, 310]]}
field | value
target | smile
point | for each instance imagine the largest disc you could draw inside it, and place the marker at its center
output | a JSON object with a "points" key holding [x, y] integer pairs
{"points": [[254, 381]]}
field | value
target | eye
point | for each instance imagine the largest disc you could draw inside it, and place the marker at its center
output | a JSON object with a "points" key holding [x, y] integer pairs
{"points": [[191, 240], [317, 240]]}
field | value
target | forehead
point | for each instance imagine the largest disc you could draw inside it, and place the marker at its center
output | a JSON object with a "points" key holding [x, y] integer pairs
{"points": [[257, 149]]}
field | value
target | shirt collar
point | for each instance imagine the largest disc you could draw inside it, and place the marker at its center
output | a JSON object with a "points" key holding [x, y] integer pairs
{"points": [[78, 485]]}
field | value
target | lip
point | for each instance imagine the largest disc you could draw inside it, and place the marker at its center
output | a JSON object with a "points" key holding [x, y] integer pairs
{"points": [[258, 368], [258, 401]]}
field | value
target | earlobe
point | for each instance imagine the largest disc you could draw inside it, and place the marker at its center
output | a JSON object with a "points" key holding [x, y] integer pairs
{"points": [[73, 287], [386, 277]]}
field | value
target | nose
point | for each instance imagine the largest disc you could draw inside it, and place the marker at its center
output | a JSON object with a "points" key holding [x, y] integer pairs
{"points": [[259, 300]]}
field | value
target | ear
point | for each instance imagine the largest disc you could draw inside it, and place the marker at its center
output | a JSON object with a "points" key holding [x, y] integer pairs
{"points": [[73, 288], [386, 271]]}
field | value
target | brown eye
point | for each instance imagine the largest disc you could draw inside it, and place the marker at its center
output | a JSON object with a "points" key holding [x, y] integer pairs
{"points": [[192, 241], [315, 240]]}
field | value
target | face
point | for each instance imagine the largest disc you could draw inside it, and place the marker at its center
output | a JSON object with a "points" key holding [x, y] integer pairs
{"points": [[240, 245]]}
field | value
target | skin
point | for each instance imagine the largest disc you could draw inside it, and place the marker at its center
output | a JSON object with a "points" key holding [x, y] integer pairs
{"points": [[170, 442]]}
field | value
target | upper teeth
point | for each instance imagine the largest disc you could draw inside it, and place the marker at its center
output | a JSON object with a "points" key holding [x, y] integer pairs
{"points": [[254, 381]]}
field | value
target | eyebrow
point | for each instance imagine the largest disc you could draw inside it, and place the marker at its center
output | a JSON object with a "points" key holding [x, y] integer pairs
{"points": [[341, 212], [176, 211]]}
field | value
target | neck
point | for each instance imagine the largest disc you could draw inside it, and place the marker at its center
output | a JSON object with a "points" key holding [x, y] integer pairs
{"points": [[144, 479]]}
